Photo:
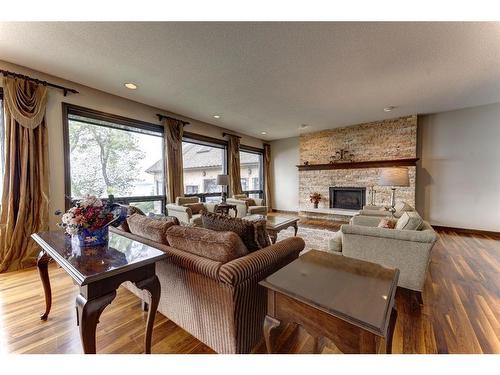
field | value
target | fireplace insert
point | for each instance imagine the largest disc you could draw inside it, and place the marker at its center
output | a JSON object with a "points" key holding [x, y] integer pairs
{"points": [[351, 198]]}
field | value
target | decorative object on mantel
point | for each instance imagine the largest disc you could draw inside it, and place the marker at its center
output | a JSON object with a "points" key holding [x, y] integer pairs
{"points": [[341, 156], [315, 198], [394, 177], [89, 220], [360, 164], [306, 162]]}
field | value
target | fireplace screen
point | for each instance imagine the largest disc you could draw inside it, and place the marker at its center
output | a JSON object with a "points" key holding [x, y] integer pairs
{"points": [[351, 198]]}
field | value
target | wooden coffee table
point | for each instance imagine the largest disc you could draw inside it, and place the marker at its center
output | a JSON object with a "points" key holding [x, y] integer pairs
{"points": [[275, 224], [99, 271], [334, 298]]}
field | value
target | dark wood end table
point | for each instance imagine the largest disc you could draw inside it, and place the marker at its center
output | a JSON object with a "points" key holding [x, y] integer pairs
{"points": [[223, 209], [275, 224], [334, 298], [99, 271]]}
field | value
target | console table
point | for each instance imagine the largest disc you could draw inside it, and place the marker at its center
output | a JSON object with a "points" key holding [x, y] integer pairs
{"points": [[99, 271]]}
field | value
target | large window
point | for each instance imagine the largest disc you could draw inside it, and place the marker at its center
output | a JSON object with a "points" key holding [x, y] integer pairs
{"points": [[113, 155], [251, 172], [203, 160], [2, 151]]}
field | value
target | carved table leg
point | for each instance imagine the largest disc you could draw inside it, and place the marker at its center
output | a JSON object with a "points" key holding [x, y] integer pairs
{"points": [[88, 317], [295, 228], [273, 235], [270, 324], [42, 265], [152, 286]]}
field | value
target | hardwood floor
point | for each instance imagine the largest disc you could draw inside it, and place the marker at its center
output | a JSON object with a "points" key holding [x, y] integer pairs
{"points": [[461, 310]]}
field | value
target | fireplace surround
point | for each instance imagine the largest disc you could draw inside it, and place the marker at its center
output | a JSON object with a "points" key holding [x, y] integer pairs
{"points": [[350, 198]]}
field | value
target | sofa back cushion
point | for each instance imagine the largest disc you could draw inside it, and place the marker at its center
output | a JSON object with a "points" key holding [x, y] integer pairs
{"points": [[409, 220], [131, 210], [181, 201], [152, 229], [252, 233], [219, 246]]}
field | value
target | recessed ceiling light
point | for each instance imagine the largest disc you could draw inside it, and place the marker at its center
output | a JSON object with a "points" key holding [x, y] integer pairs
{"points": [[389, 108], [130, 85], [263, 133], [216, 116]]}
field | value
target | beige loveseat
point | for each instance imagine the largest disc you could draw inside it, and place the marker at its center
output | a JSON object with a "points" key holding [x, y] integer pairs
{"points": [[381, 212], [407, 250], [248, 206], [209, 281]]}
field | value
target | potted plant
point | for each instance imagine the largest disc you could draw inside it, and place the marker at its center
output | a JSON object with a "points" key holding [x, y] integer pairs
{"points": [[315, 198], [88, 221]]}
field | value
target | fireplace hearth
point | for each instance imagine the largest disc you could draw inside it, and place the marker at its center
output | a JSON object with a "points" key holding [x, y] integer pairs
{"points": [[350, 198]]}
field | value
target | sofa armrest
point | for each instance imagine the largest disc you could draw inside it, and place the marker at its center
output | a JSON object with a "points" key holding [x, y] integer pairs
{"points": [[183, 214], [426, 236], [366, 221], [261, 263], [195, 263], [378, 213], [258, 201]]}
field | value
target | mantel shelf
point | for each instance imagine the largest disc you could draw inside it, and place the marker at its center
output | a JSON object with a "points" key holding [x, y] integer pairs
{"points": [[360, 164]]}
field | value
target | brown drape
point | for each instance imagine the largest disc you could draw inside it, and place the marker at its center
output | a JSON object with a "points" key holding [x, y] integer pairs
{"points": [[234, 164], [174, 129], [25, 198], [267, 177]]}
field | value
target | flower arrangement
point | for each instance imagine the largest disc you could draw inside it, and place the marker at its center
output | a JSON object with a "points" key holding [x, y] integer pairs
{"points": [[315, 198], [89, 219]]}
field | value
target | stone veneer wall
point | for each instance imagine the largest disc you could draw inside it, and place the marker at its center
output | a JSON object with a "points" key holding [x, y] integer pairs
{"points": [[379, 140]]}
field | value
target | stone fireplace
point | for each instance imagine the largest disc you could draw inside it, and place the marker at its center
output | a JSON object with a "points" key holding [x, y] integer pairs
{"points": [[349, 198]]}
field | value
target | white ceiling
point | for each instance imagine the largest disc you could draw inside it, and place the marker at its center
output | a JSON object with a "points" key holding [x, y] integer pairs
{"points": [[271, 76]]}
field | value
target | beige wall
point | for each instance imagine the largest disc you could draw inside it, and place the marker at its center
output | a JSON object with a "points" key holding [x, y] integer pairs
{"points": [[458, 175], [101, 101], [285, 158]]}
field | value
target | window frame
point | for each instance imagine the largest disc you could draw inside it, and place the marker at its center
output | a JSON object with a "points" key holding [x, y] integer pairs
{"points": [[260, 152], [72, 109], [210, 142]]}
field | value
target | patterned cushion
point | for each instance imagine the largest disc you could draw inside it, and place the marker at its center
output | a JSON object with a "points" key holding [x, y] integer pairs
{"points": [[402, 206], [130, 211], [252, 233], [249, 202], [152, 229], [219, 246], [196, 208], [410, 220], [387, 222], [164, 218]]}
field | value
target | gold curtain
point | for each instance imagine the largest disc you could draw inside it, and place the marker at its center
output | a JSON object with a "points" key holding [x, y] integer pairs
{"points": [[267, 177], [234, 164], [174, 129], [25, 198]]}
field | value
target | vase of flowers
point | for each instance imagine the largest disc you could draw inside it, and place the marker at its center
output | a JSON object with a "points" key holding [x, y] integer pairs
{"points": [[89, 220], [315, 198]]}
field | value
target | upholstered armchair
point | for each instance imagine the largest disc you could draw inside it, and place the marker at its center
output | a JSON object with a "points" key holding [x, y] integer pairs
{"points": [[248, 206], [406, 249], [188, 210]]}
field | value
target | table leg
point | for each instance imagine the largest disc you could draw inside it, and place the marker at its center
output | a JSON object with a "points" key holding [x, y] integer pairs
{"points": [[152, 286], [273, 236], [43, 270], [390, 330], [295, 228], [270, 324], [88, 317]]}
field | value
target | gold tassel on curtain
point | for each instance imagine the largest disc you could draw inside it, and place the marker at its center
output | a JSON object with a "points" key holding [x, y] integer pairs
{"points": [[174, 130], [267, 177], [234, 165], [25, 198]]}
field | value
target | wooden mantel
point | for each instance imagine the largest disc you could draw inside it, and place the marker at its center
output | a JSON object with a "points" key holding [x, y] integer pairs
{"points": [[360, 164]]}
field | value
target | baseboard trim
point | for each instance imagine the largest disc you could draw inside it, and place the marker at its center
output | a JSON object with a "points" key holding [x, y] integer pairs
{"points": [[285, 211], [467, 231]]}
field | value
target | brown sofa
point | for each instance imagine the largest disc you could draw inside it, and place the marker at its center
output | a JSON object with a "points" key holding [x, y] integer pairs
{"points": [[220, 303]]}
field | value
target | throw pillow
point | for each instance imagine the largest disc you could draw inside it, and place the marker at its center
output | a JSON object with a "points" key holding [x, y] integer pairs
{"points": [[130, 211], [154, 230], [249, 202], [409, 220], [402, 206], [387, 222], [164, 218], [196, 208], [219, 246], [252, 233]]}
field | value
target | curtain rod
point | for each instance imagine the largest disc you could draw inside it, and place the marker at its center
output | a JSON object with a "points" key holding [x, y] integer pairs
{"points": [[232, 135], [161, 117], [66, 90]]}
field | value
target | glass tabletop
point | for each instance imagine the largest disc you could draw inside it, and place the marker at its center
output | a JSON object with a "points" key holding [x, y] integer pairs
{"points": [[273, 221], [87, 264]]}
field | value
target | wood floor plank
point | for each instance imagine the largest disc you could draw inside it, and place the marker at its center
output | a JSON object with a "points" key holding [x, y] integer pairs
{"points": [[461, 311]]}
